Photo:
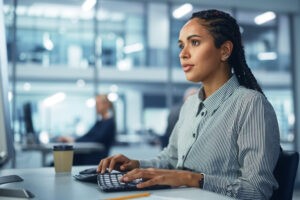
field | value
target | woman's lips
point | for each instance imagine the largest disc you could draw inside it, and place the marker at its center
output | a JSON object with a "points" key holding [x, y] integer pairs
{"points": [[187, 67]]}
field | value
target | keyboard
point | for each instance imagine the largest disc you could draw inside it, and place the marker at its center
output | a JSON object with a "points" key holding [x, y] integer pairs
{"points": [[110, 182]]}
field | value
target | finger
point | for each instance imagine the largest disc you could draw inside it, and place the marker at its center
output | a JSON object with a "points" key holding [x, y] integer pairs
{"points": [[148, 183], [137, 174], [116, 159], [143, 173], [105, 164], [126, 167], [99, 167], [132, 172]]}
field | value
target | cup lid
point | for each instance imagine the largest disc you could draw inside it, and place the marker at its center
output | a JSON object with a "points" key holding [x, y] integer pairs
{"points": [[62, 147]]}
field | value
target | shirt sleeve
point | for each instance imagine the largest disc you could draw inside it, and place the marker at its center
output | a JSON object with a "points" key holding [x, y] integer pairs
{"points": [[259, 146]]}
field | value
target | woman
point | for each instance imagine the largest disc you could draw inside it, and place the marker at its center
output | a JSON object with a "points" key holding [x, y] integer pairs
{"points": [[226, 139], [103, 131]]}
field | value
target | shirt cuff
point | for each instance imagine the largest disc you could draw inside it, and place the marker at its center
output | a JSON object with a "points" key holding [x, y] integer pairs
{"points": [[145, 163]]}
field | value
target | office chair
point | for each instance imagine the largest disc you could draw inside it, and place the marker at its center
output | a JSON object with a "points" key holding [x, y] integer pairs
{"points": [[285, 174]]}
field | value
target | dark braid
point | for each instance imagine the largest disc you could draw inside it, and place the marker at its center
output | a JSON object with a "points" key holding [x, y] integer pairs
{"points": [[224, 28]]}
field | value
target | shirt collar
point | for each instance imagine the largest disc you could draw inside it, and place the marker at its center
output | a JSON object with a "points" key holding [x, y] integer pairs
{"points": [[218, 97]]}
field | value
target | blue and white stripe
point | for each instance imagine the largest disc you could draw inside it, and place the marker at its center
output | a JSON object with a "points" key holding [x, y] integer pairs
{"points": [[232, 137]]}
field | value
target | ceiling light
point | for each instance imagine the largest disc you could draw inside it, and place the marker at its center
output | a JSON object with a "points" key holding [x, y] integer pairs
{"points": [[27, 86], [47, 42], [88, 5], [265, 17], [133, 48], [90, 103], [267, 56], [182, 10], [124, 64], [10, 96], [113, 96], [54, 99]]}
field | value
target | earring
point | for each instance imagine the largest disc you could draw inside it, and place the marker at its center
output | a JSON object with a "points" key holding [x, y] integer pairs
{"points": [[225, 57]]}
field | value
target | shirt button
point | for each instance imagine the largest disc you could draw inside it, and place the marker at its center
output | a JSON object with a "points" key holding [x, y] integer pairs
{"points": [[183, 157], [202, 113], [194, 135]]}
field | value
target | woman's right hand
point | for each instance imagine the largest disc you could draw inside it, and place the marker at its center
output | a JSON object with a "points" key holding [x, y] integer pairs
{"points": [[118, 162]]}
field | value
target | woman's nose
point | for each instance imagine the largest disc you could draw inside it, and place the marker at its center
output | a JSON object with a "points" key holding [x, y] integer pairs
{"points": [[184, 53]]}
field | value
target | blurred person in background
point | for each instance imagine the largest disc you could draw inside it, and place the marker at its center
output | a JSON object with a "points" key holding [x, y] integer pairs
{"points": [[103, 131]]}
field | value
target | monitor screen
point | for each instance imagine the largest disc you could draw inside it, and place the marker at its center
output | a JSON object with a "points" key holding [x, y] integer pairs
{"points": [[6, 143]]}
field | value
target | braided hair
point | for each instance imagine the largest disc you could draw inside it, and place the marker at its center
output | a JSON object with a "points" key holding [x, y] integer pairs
{"points": [[224, 28]]}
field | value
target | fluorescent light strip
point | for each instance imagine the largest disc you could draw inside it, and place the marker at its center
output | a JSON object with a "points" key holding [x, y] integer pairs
{"points": [[10, 96], [54, 99], [267, 56], [133, 48], [182, 10], [88, 5], [265, 17]]}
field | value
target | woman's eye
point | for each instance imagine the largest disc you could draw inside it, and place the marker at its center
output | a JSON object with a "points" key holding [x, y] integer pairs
{"points": [[195, 42], [180, 46]]}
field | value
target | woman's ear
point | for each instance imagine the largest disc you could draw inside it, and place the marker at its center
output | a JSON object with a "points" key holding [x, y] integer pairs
{"points": [[226, 50]]}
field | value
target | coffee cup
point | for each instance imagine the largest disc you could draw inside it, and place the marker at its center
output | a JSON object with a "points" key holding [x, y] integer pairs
{"points": [[63, 158]]}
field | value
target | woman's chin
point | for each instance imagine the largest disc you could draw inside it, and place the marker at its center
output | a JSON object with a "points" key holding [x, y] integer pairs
{"points": [[191, 78]]}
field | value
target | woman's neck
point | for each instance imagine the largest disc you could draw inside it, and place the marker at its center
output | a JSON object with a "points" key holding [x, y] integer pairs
{"points": [[211, 86]]}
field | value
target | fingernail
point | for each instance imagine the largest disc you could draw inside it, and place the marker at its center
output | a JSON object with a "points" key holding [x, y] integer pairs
{"points": [[125, 178]]}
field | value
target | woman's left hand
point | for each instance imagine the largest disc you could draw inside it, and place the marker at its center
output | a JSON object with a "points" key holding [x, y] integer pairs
{"points": [[163, 177]]}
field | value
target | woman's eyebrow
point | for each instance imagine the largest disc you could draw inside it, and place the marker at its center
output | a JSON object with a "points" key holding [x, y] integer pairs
{"points": [[189, 37]]}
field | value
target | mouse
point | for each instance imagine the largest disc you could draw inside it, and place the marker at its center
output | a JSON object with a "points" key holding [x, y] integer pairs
{"points": [[89, 171]]}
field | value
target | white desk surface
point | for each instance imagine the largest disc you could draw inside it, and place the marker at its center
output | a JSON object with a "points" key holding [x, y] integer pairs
{"points": [[46, 185]]}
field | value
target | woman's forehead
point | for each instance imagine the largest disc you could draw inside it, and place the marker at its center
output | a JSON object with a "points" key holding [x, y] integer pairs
{"points": [[193, 26]]}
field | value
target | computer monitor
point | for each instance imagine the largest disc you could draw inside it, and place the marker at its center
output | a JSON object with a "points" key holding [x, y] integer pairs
{"points": [[6, 143], [6, 140]]}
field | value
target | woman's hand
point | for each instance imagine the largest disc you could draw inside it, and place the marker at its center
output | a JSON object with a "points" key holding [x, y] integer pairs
{"points": [[163, 177], [118, 162]]}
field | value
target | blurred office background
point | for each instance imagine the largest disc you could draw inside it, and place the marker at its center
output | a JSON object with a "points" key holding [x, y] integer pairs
{"points": [[62, 53]]}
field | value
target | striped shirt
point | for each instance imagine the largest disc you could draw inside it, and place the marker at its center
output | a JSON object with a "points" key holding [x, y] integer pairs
{"points": [[232, 137]]}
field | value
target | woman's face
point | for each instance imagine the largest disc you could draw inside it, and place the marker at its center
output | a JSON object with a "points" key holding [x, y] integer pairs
{"points": [[199, 58], [102, 105]]}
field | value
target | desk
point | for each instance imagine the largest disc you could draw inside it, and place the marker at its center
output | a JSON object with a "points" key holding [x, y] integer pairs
{"points": [[80, 147], [46, 185]]}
